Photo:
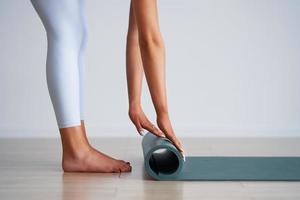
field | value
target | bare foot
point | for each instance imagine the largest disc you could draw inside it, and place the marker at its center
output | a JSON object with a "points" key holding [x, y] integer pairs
{"points": [[90, 160], [79, 156]]}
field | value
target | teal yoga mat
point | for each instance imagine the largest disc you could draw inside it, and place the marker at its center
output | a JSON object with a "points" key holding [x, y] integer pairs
{"points": [[163, 162]]}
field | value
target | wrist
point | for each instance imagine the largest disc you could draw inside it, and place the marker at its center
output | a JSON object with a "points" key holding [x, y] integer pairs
{"points": [[133, 105], [162, 114]]}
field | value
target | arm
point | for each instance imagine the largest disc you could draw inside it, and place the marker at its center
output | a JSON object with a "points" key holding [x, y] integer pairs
{"points": [[153, 59], [134, 72], [134, 65]]}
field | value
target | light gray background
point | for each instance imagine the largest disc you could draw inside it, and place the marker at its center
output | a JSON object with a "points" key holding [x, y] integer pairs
{"points": [[232, 69]]}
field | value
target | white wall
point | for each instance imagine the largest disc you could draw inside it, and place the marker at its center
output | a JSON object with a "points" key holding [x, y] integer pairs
{"points": [[232, 69]]}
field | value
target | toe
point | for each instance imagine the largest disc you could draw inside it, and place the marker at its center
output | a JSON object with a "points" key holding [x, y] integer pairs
{"points": [[129, 167], [125, 162], [125, 168], [122, 161]]}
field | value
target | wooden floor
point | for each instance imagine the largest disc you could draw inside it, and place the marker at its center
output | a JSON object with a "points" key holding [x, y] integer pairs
{"points": [[30, 169]]}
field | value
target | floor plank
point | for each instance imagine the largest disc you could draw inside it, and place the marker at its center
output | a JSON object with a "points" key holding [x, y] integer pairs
{"points": [[30, 169]]}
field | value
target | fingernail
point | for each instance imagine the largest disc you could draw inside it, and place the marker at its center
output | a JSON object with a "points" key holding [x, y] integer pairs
{"points": [[162, 136]]}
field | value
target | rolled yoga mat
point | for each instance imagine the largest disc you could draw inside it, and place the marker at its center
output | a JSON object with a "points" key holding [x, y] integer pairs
{"points": [[164, 162]]}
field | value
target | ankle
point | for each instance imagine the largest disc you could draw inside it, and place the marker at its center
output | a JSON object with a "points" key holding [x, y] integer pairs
{"points": [[74, 142], [76, 154]]}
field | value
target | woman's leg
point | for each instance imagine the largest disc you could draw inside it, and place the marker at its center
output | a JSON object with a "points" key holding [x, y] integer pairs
{"points": [[64, 24], [81, 64]]}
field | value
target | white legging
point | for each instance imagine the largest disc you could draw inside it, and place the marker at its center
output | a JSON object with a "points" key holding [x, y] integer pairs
{"points": [[64, 21]]}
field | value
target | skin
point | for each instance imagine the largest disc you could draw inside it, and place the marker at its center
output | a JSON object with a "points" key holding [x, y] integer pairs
{"points": [[145, 54], [80, 156]]}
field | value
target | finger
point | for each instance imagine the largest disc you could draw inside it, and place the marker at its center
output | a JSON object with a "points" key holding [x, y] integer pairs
{"points": [[177, 144], [153, 129], [181, 151], [156, 129], [139, 128]]}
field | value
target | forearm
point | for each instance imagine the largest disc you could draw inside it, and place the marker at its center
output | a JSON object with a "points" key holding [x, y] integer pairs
{"points": [[152, 51], [134, 73], [153, 56], [134, 65]]}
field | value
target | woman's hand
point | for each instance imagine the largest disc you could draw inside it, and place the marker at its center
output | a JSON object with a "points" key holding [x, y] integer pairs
{"points": [[164, 123], [141, 122]]}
